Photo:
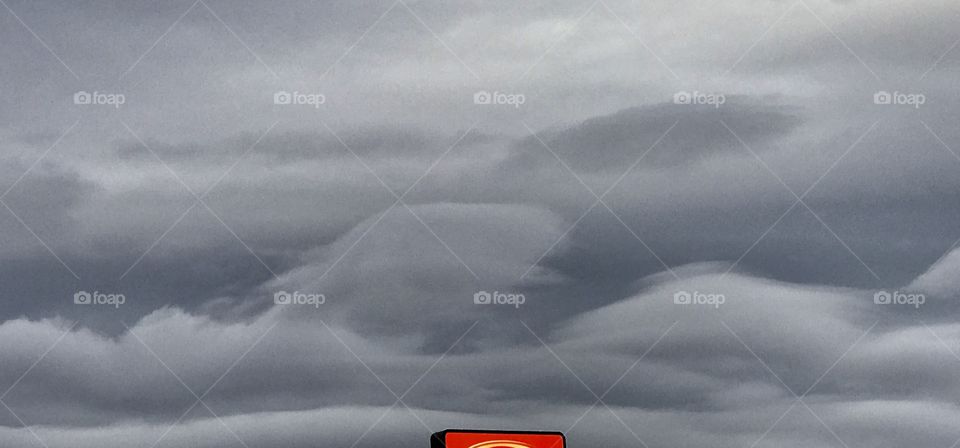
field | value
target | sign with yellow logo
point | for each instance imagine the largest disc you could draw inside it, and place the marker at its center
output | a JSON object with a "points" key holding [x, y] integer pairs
{"points": [[466, 438]]}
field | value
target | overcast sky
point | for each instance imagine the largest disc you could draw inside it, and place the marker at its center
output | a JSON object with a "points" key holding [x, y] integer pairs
{"points": [[787, 167]]}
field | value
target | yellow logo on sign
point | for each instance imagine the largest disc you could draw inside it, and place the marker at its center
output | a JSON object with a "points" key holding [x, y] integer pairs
{"points": [[501, 444]]}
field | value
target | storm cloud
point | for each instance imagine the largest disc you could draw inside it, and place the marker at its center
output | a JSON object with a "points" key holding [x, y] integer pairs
{"points": [[354, 223]]}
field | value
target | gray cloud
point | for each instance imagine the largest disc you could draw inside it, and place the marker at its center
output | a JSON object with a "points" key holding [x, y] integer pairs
{"points": [[699, 365], [298, 199]]}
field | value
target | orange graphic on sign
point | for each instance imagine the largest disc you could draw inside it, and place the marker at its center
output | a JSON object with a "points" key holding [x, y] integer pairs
{"points": [[466, 439]]}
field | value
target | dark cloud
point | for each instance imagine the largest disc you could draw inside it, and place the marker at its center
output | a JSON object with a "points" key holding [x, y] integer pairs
{"points": [[617, 141], [708, 361], [304, 199]]}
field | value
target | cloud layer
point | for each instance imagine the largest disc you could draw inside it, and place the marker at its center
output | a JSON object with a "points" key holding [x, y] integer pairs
{"points": [[788, 214]]}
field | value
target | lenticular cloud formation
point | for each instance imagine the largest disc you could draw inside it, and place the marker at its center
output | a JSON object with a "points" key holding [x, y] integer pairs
{"points": [[738, 366], [655, 224]]}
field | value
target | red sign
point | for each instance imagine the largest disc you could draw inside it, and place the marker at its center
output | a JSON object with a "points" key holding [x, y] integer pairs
{"points": [[498, 439]]}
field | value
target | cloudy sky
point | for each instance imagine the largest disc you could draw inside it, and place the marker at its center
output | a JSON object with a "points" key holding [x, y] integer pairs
{"points": [[701, 223]]}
